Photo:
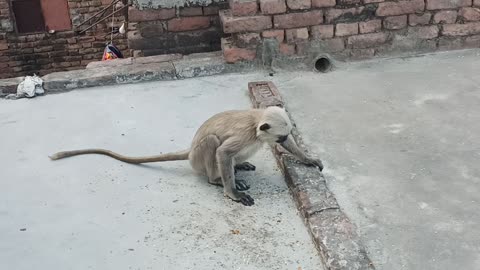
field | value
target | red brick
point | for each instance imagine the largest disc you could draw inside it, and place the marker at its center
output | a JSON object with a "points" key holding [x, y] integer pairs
{"points": [[370, 26], [244, 24], [395, 22], [299, 4], [278, 34], [287, 49], [273, 6], [447, 16], [322, 31], [243, 7], [294, 35], [346, 29], [233, 54], [367, 40], [188, 23], [323, 3], [333, 14], [469, 14], [466, 29], [247, 39], [210, 10], [135, 15], [400, 7], [191, 11], [414, 19], [423, 32], [447, 4], [295, 20]]}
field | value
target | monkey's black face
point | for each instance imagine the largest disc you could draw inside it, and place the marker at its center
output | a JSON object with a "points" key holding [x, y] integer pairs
{"points": [[282, 139]]}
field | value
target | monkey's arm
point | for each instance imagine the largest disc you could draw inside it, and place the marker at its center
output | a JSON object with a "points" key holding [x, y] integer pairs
{"points": [[292, 147]]}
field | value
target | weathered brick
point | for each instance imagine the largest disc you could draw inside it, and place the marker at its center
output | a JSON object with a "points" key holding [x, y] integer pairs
{"points": [[446, 16], [43, 49], [301, 48], [296, 20], [466, 29], [362, 54], [191, 11], [334, 14], [322, 31], [334, 44], [243, 7], [472, 42], [469, 14], [247, 39], [476, 3], [447, 4], [372, 1], [423, 32], [244, 24], [211, 10], [287, 49], [400, 7], [367, 40], [348, 2], [135, 15], [188, 23], [299, 4], [323, 3], [395, 22], [294, 35], [346, 29], [3, 46], [414, 19], [273, 6], [450, 43], [233, 54], [370, 26], [278, 34]]}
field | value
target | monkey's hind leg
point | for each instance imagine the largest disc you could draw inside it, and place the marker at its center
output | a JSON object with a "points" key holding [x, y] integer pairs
{"points": [[204, 153]]}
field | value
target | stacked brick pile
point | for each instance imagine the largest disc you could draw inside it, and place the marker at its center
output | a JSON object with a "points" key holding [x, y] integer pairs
{"points": [[349, 28], [181, 30], [43, 53]]}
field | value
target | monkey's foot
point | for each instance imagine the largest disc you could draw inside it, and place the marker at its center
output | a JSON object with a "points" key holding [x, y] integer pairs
{"points": [[247, 200], [241, 185], [241, 197], [245, 166]]}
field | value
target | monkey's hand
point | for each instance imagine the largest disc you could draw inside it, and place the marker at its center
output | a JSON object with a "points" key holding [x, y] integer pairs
{"points": [[314, 162]]}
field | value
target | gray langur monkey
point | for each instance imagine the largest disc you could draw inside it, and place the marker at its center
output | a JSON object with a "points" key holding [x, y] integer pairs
{"points": [[223, 144]]}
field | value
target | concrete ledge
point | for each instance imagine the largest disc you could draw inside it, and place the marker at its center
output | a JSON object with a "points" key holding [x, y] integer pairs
{"points": [[133, 70], [332, 231]]}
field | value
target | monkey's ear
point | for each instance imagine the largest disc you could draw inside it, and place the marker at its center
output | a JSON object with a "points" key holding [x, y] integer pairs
{"points": [[264, 127]]}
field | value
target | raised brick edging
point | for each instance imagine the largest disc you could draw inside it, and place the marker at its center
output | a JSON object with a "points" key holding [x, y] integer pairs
{"points": [[332, 231]]}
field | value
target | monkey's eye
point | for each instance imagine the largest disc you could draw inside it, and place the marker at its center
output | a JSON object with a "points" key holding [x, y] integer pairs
{"points": [[281, 139]]}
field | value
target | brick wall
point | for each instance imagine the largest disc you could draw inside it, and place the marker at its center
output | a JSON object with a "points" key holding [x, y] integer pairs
{"points": [[43, 53], [349, 29], [183, 30]]}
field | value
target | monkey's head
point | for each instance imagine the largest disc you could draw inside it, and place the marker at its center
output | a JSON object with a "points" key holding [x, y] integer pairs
{"points": [[274, 126]]}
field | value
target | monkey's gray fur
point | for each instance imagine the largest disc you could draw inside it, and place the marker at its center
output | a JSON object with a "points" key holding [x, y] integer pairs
{"points": [[222, 145]]}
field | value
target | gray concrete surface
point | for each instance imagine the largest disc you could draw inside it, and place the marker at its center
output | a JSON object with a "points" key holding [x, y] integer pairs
{"points": [[400, 140], [93, 212]]}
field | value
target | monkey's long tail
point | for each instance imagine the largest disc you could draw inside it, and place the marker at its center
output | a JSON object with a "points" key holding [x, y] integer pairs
{"points": [[180, 155]]}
